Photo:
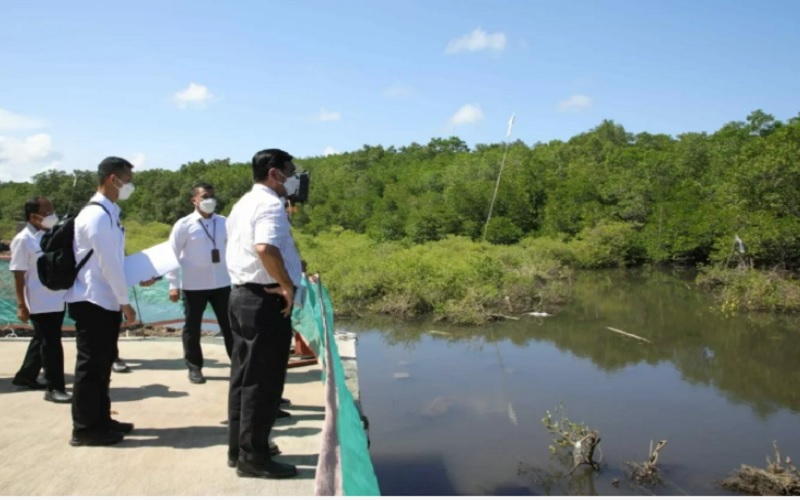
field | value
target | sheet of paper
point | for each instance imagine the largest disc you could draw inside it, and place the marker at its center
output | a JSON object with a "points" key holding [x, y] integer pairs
{"points": [[151, 263]]}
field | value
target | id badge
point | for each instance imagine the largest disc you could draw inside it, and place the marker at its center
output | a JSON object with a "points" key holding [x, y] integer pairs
{"points": [[215, 256]]}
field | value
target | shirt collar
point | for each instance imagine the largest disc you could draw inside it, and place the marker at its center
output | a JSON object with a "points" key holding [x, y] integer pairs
{"points": [[266, 189], [32, 228], [196, 216], [110, 205]]}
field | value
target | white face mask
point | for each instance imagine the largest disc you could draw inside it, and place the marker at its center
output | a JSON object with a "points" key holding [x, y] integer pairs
{"points": [[208, 205], [125, 191], [291, 185], [49, 221]]}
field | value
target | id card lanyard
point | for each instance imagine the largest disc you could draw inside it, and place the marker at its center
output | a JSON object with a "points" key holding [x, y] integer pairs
{"points": [[215, 252]]}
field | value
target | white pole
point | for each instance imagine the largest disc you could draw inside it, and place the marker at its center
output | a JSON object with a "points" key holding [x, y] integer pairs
{"points": [[502, 165]]}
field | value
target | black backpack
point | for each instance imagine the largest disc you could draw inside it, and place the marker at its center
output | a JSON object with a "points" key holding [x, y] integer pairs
{"points": [[56, 266]]}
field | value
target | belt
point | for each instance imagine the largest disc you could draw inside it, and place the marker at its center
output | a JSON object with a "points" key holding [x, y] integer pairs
{"points": [[257, 286]]}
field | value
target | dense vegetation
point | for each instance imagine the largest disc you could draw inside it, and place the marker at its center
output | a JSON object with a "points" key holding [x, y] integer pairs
{"points": [[604, 198]]}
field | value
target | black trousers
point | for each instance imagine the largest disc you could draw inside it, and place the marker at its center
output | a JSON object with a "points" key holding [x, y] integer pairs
{"points": [[194, 305], [261, 340], [45, 350], [97, 334]]}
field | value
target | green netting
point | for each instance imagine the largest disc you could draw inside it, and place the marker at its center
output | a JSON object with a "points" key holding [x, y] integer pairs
{"points": [[358, 475]]}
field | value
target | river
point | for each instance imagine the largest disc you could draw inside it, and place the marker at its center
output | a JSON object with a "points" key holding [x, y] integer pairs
{"points": [[459, 411]]}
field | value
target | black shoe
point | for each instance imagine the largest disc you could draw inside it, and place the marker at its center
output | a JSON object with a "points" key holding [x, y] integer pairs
{"points": [[283, 415], [196, 377], [121, 427], [273, 450], [101, 438], [119, 366], [57, 397], [285, 402], [28, 385], [271, 470]]}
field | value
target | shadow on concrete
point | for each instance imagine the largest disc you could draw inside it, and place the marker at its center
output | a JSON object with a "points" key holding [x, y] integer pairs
{"points": [[184, 438], [320, 409], [295, 431], [314, 375], [6, 387], [120, 394], [218, 379], [169, 364], [297, 418]]}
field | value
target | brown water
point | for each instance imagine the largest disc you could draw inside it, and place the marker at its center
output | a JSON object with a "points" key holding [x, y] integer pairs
{"points": [[461, 413]]}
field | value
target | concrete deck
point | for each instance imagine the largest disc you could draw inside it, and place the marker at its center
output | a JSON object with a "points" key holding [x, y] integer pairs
{"points": [[179, 444]]}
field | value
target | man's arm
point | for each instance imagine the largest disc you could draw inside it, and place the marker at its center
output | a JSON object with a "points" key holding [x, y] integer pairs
{"points": [[270, 227], [109, 256], [272, 260], [177, 240], [19, 266]]}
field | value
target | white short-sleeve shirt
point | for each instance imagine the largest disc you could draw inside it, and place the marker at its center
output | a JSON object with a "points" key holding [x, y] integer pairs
{"points": [[25, 251]]}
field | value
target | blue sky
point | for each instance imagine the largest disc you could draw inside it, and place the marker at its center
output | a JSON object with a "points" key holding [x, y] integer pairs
{"points": [[163, 83]]}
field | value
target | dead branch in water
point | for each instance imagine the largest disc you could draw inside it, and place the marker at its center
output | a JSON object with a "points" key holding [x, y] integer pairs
{"points": [[779, 478], [646, 472], [502, 316], [629, 335], [583, 452], [579, 437]]}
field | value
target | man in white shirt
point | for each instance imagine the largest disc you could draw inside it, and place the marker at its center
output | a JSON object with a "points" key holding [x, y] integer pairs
{"points": [[265, 270], [198, 241], [97, 301], [44, 307]]}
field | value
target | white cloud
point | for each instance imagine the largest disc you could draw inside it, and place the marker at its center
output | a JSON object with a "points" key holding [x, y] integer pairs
{"points": [[468, 114], [328, 116], [20, 159], [138, 160], [194, 95], [477, 40], [11, 121], [577, 102], [330, 151], [398, 90]]}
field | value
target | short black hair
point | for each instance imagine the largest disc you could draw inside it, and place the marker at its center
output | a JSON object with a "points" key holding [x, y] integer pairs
{"points": [[202, 185], [266, 159], [112, 165], [33, 206]]}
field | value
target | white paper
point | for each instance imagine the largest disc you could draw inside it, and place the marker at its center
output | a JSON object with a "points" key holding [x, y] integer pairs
{"points": [[151, 263]]}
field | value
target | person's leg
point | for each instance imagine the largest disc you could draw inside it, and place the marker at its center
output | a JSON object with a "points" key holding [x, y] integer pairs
{"points": [[219, 302], [97, 331], [31, 364], [267, 335], [238, 356], [194, 304], [48, 327]]}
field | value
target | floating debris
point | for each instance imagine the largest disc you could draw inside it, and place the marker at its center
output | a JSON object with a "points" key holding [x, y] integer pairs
{"points": [[642, 339], [539, 314], [779, 478], [438, 407], [646, 473], [401, 375]]}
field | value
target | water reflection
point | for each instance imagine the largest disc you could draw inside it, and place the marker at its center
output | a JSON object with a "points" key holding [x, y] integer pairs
{"points": [[719, 389], [752, 358]]}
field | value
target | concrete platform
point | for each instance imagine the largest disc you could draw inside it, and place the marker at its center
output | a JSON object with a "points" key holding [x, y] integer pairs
{"points": [[179, 444]]}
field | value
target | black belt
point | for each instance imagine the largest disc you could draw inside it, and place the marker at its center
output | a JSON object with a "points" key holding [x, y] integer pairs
{"points": [[257, 286]]}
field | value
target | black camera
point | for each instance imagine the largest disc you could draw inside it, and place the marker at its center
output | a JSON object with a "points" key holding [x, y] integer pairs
{"points": [[301, 196]]}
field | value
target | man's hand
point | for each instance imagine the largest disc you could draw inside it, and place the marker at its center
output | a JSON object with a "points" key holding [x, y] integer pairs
{"points": [[174, 294], [23, 313], [129, 313], [288, 296], [149, 282]]}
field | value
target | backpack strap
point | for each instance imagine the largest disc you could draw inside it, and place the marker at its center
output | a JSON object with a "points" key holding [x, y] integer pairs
{"points": [[110, 219]]}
